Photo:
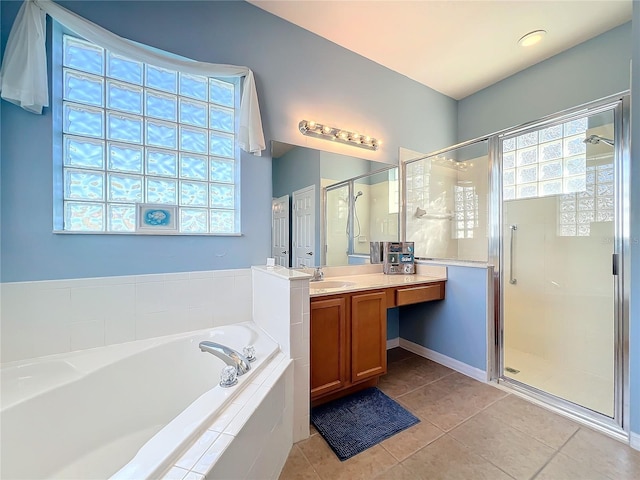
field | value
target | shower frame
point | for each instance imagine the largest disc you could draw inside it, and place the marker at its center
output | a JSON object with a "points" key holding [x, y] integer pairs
{"points": [[617, 426]]}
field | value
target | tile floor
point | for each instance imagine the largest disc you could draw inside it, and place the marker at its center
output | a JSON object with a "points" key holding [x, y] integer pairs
{"points": [[468, 430]]}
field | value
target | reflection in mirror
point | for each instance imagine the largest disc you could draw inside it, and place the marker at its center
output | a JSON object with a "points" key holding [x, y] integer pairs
{"points": [[446, 198], [359, 211], [295, 168]]}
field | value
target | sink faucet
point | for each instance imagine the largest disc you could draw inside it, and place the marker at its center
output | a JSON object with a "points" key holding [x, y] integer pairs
{"points": [[317, 275], [227, 355]]}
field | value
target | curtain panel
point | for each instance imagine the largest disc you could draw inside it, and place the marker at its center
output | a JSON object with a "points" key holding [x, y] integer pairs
{"points": [[23, 75]]}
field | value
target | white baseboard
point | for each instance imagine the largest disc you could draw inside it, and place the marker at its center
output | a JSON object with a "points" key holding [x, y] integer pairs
{"points": [[393, 343], [452, 363], [634, 440]]}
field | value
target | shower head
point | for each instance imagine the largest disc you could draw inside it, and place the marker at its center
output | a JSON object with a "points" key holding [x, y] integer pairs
{"points": [[595, 139], [357, 195]]}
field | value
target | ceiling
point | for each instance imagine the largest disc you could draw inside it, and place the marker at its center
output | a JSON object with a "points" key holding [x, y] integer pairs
{"points": [[455, 47]]}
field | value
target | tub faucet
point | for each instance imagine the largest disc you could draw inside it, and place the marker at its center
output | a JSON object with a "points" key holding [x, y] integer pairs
{"points": [[227, 355]]}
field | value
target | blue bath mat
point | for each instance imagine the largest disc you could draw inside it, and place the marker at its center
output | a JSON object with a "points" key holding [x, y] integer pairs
{"points": [[352, 424]]}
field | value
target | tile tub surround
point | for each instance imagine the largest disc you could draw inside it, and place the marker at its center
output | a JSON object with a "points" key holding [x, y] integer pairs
{"points": [[469, 430], [252, 436], [47, 317], [281, 308], [129, 408]]}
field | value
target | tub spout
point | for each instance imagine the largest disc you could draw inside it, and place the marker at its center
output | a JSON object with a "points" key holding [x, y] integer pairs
{"points": [[227, 355]]}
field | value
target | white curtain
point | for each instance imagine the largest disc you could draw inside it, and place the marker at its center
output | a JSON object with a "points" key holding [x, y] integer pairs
{"points": [[23, 75]]}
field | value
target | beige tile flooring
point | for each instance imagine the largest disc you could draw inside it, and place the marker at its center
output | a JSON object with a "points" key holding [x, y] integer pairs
{"points": [[468, 430]]}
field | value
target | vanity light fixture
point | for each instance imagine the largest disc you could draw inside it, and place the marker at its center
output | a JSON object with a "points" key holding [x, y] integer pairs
{"points": [[314, 129], [450, 163], [532, 38]]}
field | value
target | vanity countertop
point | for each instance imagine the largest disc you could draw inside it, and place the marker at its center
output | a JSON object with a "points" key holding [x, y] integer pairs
{"points": [[355, 283]]}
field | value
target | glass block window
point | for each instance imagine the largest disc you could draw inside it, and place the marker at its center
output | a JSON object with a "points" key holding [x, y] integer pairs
{"points": [[466, 211], [135, 133], [576, 211], [549, 161]]}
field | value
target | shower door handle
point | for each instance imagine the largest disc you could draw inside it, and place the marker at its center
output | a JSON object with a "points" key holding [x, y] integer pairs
{"points": [[512, 229]]}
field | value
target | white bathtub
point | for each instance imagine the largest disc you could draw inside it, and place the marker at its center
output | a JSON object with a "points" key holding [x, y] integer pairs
{"points": [[128, 410]]}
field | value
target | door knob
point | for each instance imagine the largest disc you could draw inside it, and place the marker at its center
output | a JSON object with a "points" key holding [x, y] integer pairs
{"points": [[284, 253], [309, 253]]}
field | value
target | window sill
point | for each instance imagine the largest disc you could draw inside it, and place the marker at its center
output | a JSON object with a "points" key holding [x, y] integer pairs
{"points": [[147, 234]]}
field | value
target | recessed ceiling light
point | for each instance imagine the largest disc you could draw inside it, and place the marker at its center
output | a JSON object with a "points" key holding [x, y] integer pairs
{"points": [[532, 38]]}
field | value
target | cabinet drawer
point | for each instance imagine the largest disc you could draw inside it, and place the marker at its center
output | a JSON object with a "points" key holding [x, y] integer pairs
{"points": [[423, 293]]}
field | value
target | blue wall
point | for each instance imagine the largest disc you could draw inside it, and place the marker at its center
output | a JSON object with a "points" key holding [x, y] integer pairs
{"points": [[393, 323], [298, 75], [594, 69], [296, 169], [456, 326]]}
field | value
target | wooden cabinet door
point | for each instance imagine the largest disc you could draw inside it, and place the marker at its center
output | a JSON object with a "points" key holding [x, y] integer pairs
{"points": [[368, 335], [328, 346]]}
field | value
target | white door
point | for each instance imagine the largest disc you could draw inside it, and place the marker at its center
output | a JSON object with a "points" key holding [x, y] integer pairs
{"points": [[304, 228], [280, 230]]}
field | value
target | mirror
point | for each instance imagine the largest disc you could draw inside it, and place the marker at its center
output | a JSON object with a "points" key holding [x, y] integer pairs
{"points": [[295, 168]]}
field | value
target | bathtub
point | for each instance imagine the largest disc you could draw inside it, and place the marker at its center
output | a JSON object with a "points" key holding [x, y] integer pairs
{"points": [[130, 410]]}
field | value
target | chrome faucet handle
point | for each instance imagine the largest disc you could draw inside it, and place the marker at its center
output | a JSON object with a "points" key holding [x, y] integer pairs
{"points": [[319, 274], [228, 376], [249, 353]]}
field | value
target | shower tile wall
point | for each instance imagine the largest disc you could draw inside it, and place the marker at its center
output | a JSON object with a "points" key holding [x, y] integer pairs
{"points": [[559, 313], [383, 223], [57, 316], [432, 187]]}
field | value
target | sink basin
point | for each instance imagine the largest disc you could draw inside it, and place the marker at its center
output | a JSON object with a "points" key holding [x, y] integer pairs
{"points": [[329, 284]]}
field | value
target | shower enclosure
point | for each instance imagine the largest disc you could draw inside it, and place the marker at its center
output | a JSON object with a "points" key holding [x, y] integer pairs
{"points": [[358, 211], [543, 204], [560, 245]]}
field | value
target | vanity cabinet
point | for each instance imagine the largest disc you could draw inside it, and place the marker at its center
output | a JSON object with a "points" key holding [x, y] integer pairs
{"points": [[349, 336], [328, 345], [348, 342]]}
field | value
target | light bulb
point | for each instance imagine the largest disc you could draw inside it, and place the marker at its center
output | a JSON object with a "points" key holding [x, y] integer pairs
{"points": [[532, 38], [311, 125], [326, 130]]}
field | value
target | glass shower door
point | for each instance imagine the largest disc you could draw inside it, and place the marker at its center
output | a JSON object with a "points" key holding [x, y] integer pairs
{"points": [[559, 237]]}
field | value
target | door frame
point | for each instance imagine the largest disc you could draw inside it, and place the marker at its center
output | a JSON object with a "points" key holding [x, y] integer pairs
{"points": [[619, 425]]}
